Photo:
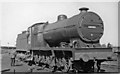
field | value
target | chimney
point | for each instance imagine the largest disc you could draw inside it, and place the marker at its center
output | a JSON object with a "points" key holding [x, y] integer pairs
{"points": [[84, 9]]}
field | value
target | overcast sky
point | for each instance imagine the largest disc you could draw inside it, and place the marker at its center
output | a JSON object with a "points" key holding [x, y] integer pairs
{"points": [[18, 16]]}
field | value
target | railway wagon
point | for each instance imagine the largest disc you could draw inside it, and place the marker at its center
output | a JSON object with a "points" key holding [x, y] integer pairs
{"points": [[77, 37]]}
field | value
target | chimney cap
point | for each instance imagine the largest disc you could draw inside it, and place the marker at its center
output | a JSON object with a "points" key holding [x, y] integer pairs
{"points": [[84, 8]]}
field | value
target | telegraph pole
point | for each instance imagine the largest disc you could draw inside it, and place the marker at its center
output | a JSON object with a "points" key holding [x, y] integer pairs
{"points": [[8, 45]]}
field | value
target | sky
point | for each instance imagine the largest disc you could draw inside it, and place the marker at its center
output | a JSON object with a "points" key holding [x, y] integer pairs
{"points": [[18, 16]]}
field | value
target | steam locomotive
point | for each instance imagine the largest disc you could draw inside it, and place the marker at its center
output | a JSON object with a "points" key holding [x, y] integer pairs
{"points": [[77, 37]]}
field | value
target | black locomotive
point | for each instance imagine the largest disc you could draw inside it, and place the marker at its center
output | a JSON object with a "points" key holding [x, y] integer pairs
{"points": [[77, 37]]}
